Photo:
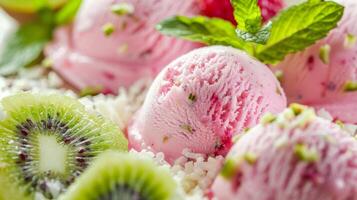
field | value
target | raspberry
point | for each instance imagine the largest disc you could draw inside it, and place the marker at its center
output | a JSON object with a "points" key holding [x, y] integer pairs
{"points": [[223, 8]]}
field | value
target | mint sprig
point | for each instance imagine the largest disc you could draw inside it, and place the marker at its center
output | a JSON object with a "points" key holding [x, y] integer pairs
{"points": [[210, 31], [25, 46], [68, 12], [299, 27], [293, 30]]}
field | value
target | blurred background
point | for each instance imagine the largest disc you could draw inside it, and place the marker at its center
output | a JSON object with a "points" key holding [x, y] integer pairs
{"points": [[41, 39], [8, 24]]}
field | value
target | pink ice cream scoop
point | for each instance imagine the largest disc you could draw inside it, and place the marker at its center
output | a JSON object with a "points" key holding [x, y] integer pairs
{"points": [[293, 156], [325, 75], [114, 43], [202, 99]]}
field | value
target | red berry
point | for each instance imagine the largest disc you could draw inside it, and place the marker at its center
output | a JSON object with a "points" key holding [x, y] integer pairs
{"points": [[223, 8], [270, 8]]}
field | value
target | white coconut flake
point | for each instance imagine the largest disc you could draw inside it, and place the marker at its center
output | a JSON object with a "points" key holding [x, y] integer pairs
{"points": [[121, 108]]}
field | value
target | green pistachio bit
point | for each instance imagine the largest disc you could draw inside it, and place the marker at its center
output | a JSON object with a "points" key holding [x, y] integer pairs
{"points": [[229, 169], [268, 118], [287, 114], [47, 63], [305, 154], [325, 53], [192, 98], [340, 123], [187, 128], [297, 108], [121, 9], [350, 40], [279, 75], [90, 91], [108, 29], [251, 158], [350, 86], [305, 117]]}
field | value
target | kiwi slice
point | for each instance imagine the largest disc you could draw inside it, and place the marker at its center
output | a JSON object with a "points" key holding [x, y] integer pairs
{"points": [[120, 176], [46, 141], [28, 6]]}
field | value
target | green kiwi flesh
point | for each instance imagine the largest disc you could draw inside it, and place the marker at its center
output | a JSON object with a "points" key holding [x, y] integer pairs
{"points": [[47, 141], [8, 190], [122, 176]]}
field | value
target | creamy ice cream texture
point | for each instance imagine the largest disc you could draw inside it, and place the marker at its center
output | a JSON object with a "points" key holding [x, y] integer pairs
{"points": [[202, 99], [325, 74], [132, 48], [295, 156]]}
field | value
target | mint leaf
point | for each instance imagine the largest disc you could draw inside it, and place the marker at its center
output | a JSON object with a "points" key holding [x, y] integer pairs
{"points": [[40, 4], [315, 1], [299, 27], [46, 16], [260, 37], [211, 31], [247, 14], [24, 47], [68, 12]]}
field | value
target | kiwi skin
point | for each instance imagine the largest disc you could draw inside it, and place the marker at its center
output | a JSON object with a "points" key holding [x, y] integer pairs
{"points": [[122, 176], [32, 116]]}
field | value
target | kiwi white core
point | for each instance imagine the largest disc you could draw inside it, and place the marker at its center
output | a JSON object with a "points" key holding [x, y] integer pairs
{"points": [[53, 155]]}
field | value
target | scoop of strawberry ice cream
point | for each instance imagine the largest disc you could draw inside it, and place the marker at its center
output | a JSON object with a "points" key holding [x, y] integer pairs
{"points": [[295, 156], [202, 99], [223, 8], [108, 49], [325, 74]]}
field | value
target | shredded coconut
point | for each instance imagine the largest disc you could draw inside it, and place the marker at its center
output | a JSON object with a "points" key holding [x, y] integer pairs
{"points": [[119, 108]]}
